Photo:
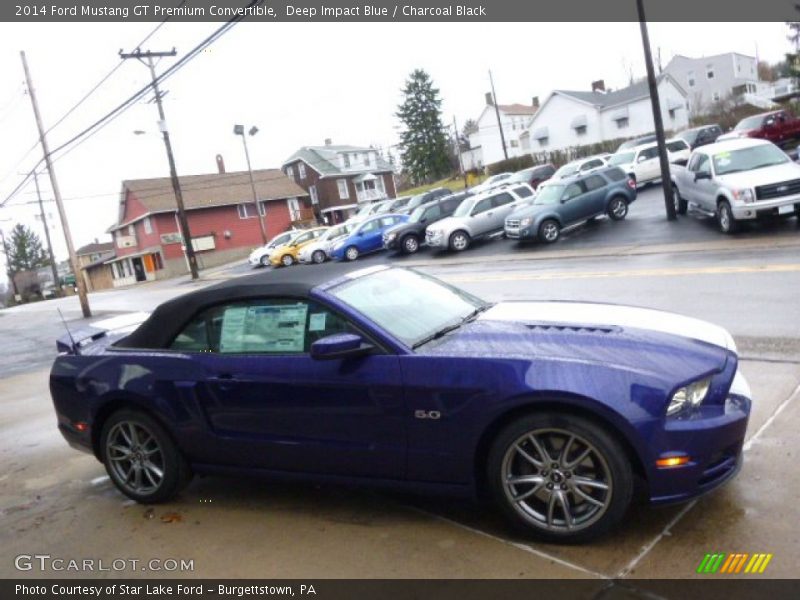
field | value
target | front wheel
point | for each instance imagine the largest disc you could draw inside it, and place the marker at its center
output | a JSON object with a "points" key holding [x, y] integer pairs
{"points": [[459, 241], [287, 260], [318, 257], [617, 208], [681, 206], [549, 231], [725, 219], [410, 244], [559, 477], [141, 459], [351, 253], [264, 260]]}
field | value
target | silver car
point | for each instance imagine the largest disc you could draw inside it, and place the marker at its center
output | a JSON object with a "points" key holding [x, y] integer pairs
{"points": [[476, 217]]}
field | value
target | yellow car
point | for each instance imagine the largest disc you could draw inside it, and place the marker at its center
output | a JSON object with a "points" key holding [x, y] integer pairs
{"points": [[286, 255]]}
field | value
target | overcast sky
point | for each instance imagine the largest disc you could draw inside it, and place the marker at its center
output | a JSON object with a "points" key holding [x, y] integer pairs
{"points": [[299, 83]]}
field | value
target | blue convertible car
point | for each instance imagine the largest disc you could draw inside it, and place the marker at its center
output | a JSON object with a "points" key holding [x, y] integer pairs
{"points": [[389, 377]]}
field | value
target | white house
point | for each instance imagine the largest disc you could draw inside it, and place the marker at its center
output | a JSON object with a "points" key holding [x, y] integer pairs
{"points": [[514, 118], [569, 118]]}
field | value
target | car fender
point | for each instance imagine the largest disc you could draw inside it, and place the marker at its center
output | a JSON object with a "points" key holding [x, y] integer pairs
{"points": [[539, 218]]}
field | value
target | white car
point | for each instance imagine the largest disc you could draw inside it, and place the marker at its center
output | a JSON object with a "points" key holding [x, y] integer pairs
{"points": [[642, 163], [319, 251], [260, 256], [580, 166]]}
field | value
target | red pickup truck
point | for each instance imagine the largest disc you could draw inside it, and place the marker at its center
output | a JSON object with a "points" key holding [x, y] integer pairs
{"points": [[779, 127]]}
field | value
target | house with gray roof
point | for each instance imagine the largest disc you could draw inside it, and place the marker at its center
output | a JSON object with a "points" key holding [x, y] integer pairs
{"points": [[575, 118], [340, 178]]}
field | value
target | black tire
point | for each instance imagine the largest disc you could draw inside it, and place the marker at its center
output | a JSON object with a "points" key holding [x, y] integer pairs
{"points": [[725, 220], [681, 205], [617, 208], [176, 472], [318, 257], [264, 260], [459, 241], [351, 253], [549, 231], [409, 244], [287, 260], [607, 464]]}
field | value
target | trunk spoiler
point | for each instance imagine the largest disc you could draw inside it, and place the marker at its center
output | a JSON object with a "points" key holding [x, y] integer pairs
{"points": [[73, 341]]}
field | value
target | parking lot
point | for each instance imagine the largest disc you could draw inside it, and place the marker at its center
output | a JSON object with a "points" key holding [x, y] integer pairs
{"points": [[57, 501]]}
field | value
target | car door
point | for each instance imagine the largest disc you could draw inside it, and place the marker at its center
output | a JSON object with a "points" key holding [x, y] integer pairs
{"points": [[369, 236], [571, 203], [268, 404], [702, 188], [593, 201], [647, 164], [481, 217], [502, 206]]}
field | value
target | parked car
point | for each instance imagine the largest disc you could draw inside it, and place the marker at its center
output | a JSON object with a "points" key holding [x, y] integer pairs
{"points": [[370, 209], [407, 237], [490, 183], [533, 176], [582, 165], [421, 199], [570, 202], [260, 256], [398, 204], [365, 237], [318, 251], [642, 163], [701, 136], [779, 127], [476, 217], [637, 141], [738, 180], [286, 255], [556, 411]]}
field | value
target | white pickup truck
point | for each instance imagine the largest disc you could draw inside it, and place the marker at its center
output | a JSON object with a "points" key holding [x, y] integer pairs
{"points": [[737, 180]]}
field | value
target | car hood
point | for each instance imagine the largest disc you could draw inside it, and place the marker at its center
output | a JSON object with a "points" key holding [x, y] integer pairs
{"points": [[774, 174], [446, 224], [732, 135], [530, 210], [399, 227], [636, 339]]}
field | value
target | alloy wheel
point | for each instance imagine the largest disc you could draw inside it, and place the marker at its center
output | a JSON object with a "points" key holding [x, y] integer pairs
{"points": [[352, 253], [135, 458], [318, 257], [550, 232], [264, 260], [556, 480], [410, 244], [619, 209], [460, 242], [287, 260]]}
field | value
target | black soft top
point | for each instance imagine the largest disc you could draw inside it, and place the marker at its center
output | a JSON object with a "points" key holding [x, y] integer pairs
{"points": [[169, 318]]}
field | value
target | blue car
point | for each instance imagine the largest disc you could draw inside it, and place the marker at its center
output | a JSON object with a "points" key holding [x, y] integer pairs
{"points": [[366, 237], [388, 377]]}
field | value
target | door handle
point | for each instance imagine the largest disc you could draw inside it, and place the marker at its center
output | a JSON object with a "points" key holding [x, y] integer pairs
{"points": [[223, 380]]}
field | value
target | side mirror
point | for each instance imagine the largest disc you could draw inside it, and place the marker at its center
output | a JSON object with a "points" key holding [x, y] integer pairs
{"points": [[339, 345], [702, 175]]}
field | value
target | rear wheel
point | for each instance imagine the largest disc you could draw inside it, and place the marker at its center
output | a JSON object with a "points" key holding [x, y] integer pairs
{"points": [[141, 459], [459, 241], [559, 477], [410, 244], [681, 206], [617, 208], [287, 260], [725, 220], [549, 231], [318, 257], [351, 253], [264, 260]]}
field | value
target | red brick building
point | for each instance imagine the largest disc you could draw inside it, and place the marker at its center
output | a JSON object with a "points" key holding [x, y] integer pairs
{"points": [[340, 178], [224, 222]]}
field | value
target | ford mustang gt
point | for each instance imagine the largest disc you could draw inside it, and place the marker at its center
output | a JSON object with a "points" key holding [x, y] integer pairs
{"points": [[389, 377]]}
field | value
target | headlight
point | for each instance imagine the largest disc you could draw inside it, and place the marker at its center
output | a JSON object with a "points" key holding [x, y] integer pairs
{"points": [[745, 195], [525, 222], [689, 396]]}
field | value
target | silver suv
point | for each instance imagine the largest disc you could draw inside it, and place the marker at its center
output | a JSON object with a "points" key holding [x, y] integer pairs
{"points": [[476, 217]]}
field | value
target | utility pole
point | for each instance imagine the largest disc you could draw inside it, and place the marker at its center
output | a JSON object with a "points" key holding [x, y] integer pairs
{"points": [[73, 259], [458, 150], [666, 182], [146, 58], [239, 130], [497, 114], [53, 268]]}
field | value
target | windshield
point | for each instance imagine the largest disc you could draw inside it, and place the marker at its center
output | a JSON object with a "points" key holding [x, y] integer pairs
{"points": [[381, 207], [549, 194], [409, 305], [566, 171], [748, 159], [334, 232], [400, 203], [749, 123], [364, 210], [621, 158]]}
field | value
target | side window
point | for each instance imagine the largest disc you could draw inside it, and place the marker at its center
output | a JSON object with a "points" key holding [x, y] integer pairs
{"points": [[433, 212], [371, 226], [501, 199], [482, 206], [594, 182], [301, 239], [693, 162], [523, 191], [592, 164], [650, 153], [449, 205], [703, 164], [388, 221], [676, 146], [573, 190]]}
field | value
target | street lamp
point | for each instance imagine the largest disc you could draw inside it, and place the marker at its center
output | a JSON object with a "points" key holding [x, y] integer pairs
{"points": [[239, 130]]}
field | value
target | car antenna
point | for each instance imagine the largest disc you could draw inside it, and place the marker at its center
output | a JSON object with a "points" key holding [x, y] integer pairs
{"points": [[69, 333]]}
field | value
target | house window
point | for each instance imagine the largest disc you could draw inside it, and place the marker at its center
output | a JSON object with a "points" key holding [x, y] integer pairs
{"points": [[514, 143], [313, 193], [290, 171], [543, 141], [262, 209], [131, 230], [622, 123], [148, 226], [346, 158], [710, 72], [366, 160], [294, 208], [715, 96], [671, 113], [301, 169], [580, 130], [344, 193], [690, 77], [246, 211]]}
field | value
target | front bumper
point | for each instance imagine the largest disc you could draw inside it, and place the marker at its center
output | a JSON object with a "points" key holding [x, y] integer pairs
{"points": [[774, 207], [391, 243], [713, 439], [435, 240], [520, 233]]}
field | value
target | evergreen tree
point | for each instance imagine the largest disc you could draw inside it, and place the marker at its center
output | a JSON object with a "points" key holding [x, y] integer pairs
{"points": [[423, 138], [24, 250]]}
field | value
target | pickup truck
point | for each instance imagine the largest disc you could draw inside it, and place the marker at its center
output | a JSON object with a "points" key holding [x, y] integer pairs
{"points": [[737, 180], [778, 127]]}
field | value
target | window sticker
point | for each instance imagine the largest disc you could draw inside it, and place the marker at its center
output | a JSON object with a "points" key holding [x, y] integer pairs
{"points": [[316, 322], [264, 328], [723, 159]]}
